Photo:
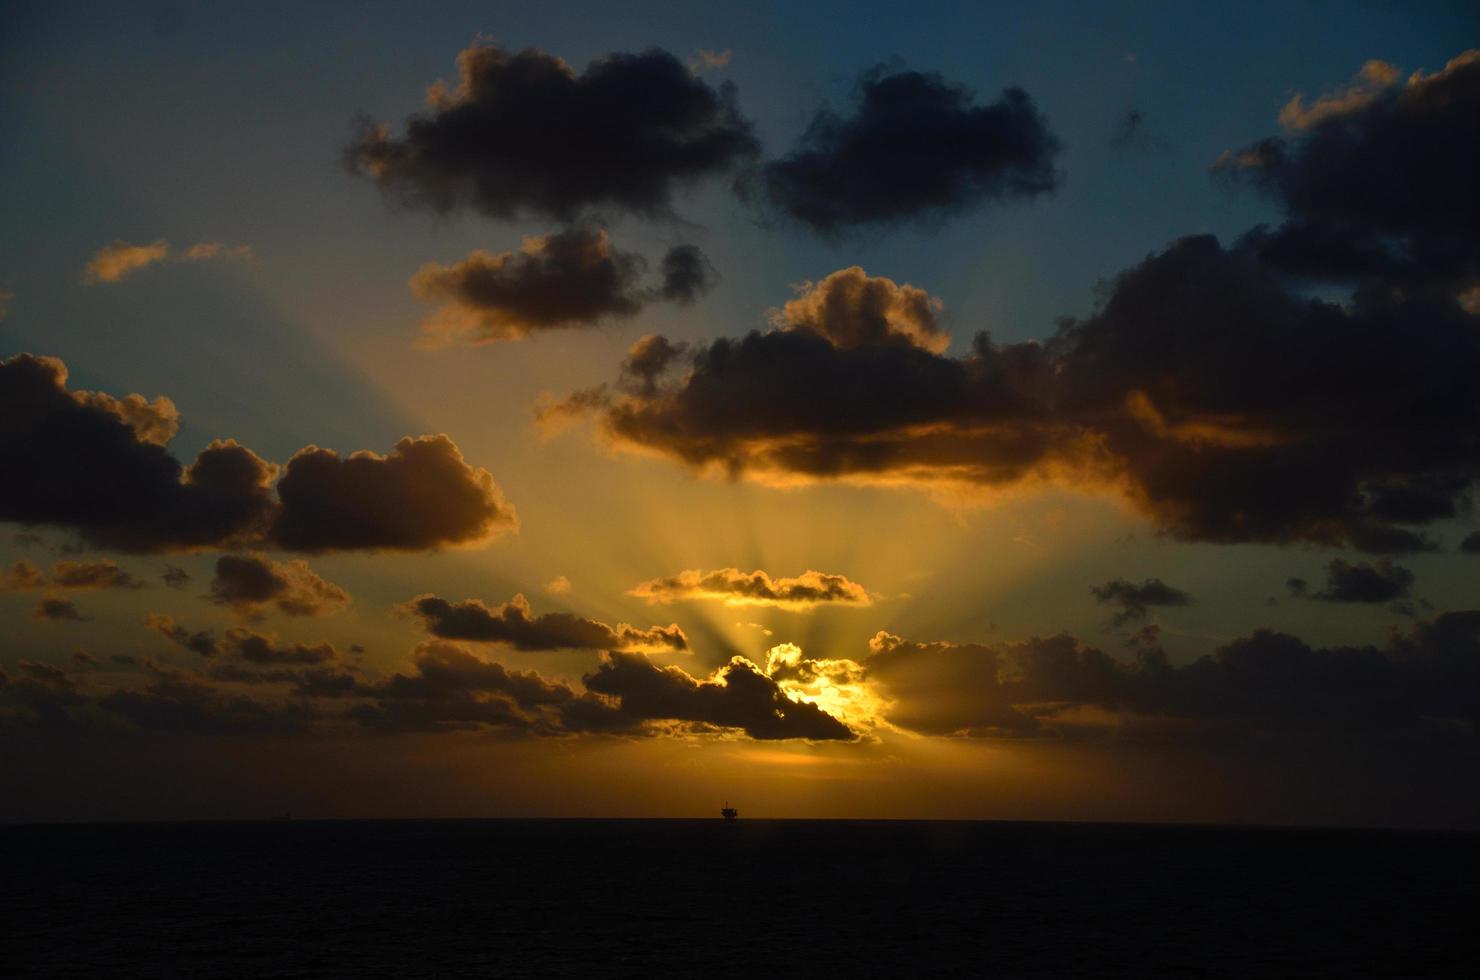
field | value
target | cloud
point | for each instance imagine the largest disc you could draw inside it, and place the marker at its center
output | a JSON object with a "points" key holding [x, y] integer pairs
{"points": [[916, 147], [248, 583], [687, 274], [177, 702], [524, 134], [1363, 582], [421, 496], [1217, 401], [450, 688], [1130, 130], [97, 465], [261, 649], [570, 278], [68, 576], [6, 298], [265, 649], [559, 585], [740, 695], [122, 259], [736, 588], [1135, 600], [514, 623], [1375, 180], [202, 643], [1264, 681], [1471, 543], [850, 309], [706, 59], [174, 576], [51, 609]]}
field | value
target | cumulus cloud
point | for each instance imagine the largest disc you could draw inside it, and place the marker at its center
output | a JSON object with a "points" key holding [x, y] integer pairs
{"points": [[524, 133], [570, 278], [1364, 582], [515, 624], [1376, 181], [1217, 401], [740, 695], [249, 583], [916, 146], [1135, 601], [174, 576], [68, 576], [422, 495], [850, 309], [97, 465], [122, 259], [736, 588]]}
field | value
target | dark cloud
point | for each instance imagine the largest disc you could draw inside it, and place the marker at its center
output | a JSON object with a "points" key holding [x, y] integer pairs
{"points": [[74, 463], [1471, 544], [1220, 403], [174, 576], [1130, 129], [50, 609], [422, 496], [248, 583], [450, 688], [740, 696], [687, 274], [1298, 587], [1377, 180], [68, 576], [1135, 600], [262, 649], [915, 147], [1363, 582], [177, 702], [736, 588], [647, 362], [523, 133], [570, 278], [97, 465], [515, 624], [202, 642], [1428, 675]]}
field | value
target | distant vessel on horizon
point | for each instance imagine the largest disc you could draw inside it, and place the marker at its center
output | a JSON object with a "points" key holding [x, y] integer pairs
{"points": [[728, 812]]}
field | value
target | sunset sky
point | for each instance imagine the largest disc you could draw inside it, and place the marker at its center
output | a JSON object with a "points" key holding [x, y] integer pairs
{"points": [[1055, 411]]}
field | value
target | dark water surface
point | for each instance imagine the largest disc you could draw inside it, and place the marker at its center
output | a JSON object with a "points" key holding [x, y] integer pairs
{"points": [[753, 898]]}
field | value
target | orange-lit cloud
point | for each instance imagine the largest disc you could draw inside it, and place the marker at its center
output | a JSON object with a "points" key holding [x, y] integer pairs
{"points": [[122, 259], [26, 575]]}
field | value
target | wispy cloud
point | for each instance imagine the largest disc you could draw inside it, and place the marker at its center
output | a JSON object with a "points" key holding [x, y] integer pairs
{"points": [[121, 259]]}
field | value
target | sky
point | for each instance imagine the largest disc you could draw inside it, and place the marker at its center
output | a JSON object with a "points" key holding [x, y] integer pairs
{"points": [[946, 411]]}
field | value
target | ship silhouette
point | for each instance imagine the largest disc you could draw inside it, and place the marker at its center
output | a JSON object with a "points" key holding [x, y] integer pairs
{"points": [[728, 812]]}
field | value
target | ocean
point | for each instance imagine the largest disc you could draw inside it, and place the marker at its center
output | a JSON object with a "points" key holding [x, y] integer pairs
{"points": [[703, 898]]}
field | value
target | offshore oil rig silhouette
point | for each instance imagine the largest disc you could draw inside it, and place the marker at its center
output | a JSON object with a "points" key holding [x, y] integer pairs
{"points": [[728, 812]]}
